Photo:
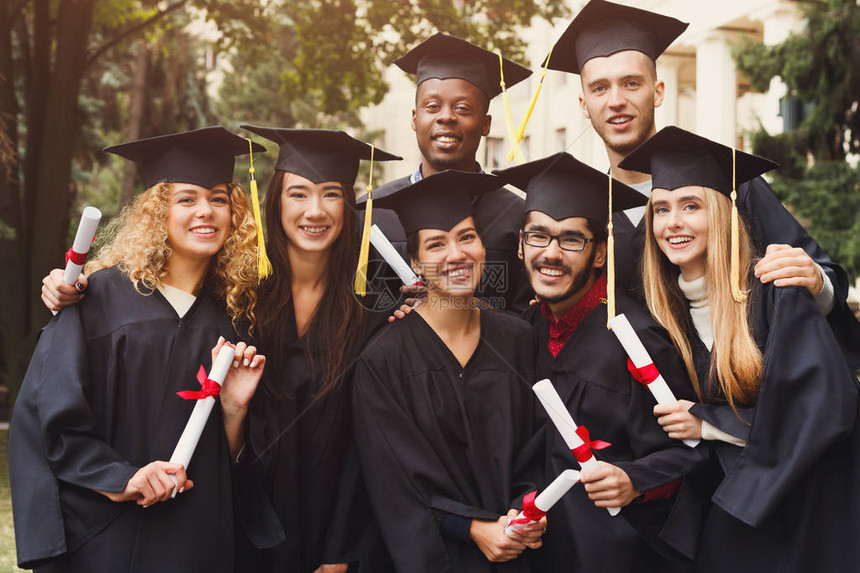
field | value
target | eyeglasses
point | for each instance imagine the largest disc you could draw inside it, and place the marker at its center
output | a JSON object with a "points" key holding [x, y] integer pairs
{"points": [[565, 242]]}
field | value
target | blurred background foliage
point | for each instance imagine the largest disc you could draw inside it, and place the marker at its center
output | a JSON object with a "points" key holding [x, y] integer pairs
{"points": [[818, 178]]}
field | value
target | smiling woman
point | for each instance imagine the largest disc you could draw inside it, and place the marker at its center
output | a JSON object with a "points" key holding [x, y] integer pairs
{"points": [[442, 399], [88, 447], [311, 326], [766, 369]]}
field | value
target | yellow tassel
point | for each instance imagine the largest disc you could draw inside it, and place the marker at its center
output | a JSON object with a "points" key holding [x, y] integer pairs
{"points": [[734, 265], [521, 130], [509, 121], [264, 266], [610, 264], [360, 286]]}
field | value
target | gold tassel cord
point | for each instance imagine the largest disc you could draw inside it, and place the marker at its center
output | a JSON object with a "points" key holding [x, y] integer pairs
{"points": [[610, 264], [360, 285], [264, 266], [509, 122], [521, 130], [734, 265]]}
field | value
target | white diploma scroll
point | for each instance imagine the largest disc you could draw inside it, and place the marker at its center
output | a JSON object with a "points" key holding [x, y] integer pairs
{"points": [[202, 408], [384, 247], [546, 499], [81, 247], [83, 239], [640, 359], [564, 422]]}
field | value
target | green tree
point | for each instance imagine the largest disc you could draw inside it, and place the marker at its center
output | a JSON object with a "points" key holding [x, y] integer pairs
{"points": [[821, 68]]}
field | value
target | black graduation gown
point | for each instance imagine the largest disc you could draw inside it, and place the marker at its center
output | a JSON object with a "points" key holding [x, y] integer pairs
{"points": [[301, 450], [499, 213], [436, 438], [789, 499], [591, 376], [99, 402], [769, 222]]}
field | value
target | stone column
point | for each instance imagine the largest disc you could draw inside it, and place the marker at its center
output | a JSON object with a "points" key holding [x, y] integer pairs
{"points": [[668, 67], [716, 89]]}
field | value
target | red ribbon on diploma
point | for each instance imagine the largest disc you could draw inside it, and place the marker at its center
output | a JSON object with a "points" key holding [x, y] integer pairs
{"points": [[208, 387], [583, 453], [531, 512], [644, 375], [75, 257]]}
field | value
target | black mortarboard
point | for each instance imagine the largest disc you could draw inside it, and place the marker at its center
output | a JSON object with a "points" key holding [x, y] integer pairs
{"points": [[438, 201], [202, 157], [677, 158], [442, 56], [603, 28], [319, 154], [562, 186]]}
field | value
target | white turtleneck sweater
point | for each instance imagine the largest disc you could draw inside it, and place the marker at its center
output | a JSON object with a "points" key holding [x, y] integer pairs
{"points": [[700, 311]]}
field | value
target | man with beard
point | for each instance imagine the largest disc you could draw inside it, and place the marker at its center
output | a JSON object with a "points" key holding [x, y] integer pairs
{"points": [[563, 245], [614, 49], [456, 81]]}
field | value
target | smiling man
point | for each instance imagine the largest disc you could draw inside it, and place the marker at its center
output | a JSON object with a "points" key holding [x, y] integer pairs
{"points": [[614, 49], [563, 247], [456, 81]]}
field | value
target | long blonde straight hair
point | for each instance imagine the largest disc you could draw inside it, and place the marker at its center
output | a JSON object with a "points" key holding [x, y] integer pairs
{"points": [[736, 361]]}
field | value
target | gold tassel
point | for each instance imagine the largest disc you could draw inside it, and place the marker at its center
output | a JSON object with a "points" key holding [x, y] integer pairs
{"points": [[264, 266], [509, 121], [610, 264], [734, 266], [521, 130], [360, 286]]}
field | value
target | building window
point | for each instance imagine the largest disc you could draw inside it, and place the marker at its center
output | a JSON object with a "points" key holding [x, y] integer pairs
{"points": [[494, 153]]}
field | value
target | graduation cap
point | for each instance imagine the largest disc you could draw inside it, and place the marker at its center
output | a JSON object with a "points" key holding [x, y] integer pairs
{"points": [[677, 158], [562, 187], [442, 56], [204, 157], [603, 28], [320, 154], [438, 201]]}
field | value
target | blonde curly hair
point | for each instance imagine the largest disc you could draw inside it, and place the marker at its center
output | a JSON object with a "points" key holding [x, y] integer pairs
{"points": [[135, 241]]}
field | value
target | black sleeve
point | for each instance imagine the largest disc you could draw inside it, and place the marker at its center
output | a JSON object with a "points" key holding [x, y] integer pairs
{"points": [[807, 403], [770, 222]]}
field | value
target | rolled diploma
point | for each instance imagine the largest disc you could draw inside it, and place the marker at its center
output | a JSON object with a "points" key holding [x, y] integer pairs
{"points": [[548, 497], [197, 421], [640, 358], [564, 422], [381, 243], [83, 239]]}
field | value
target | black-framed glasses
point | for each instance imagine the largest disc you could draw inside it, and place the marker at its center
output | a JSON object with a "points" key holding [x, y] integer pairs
{"points": [[565, 242]]}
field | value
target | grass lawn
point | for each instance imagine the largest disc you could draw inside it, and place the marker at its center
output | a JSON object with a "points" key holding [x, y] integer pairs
{"points": [[7, 536]]}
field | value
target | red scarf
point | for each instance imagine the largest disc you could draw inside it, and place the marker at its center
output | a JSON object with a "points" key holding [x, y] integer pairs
{"points": [[562, 329]]}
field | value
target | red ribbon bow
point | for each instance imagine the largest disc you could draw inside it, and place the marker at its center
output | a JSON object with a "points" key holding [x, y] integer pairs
{"points": [[531, 512], [644, 375], [583, 453], [208, 387]]}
